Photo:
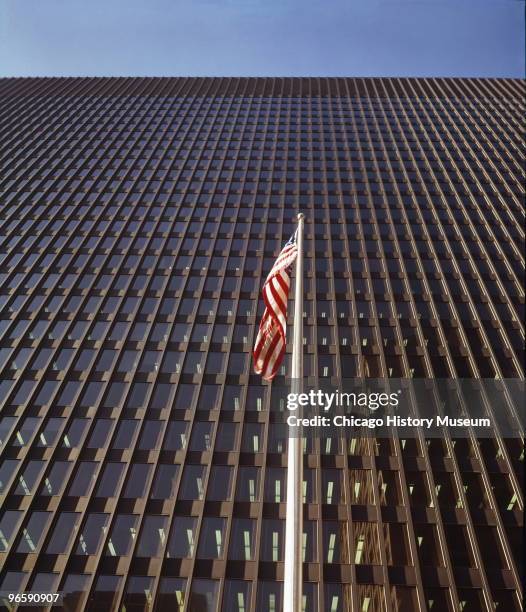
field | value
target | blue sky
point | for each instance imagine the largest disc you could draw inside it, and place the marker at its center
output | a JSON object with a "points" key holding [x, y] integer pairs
{"points": [[262, 37]]}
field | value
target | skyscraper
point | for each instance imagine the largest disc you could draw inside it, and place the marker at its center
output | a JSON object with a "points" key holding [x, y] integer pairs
{"points": [[140, 464]]}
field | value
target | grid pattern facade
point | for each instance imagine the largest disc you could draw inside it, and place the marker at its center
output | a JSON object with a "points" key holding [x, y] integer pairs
{"points": [[139, 467]]}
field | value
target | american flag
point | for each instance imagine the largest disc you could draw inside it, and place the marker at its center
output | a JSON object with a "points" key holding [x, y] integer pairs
{"points": [[271, 340]]}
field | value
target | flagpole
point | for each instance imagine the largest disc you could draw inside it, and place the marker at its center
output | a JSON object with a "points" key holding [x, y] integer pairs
{"points": [[293, 575]]}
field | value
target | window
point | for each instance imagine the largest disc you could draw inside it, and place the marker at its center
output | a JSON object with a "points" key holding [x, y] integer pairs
{"points": [[242, 537], [310, 597], [390, 491], [236, 596], [277, 438], [75, 590], [105, 594], [56, 479], [45, 582], [28, 479], [162, 396], [310, 546], [361, 487], [275, 485], [8, 525], [25, 431], [12, 582], [201, 439], [165, 481], [231, 398], [252, 440], [75, 433], [397, 544], [272, 540], [63, 533], [220, 483], [204, 595], [366, 545], [125, 433], [460, 549], [110, 481], [138, 480], [332, 486], [153, 536], [138, 594], [171, 594], [49, 433], [151, 435], [182, 538], [371, 598], [445, 487], [226, 437], [335, 596], [83, 479], [248, 484], [176, 435], [192, 485], [438, 599], [122, 535], [269, 596], [212, 538], [429, 549], [92, 534], [335, 542], [7, 469], [6, 423]]}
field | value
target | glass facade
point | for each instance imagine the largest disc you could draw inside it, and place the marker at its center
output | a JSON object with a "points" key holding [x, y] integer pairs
{"points": [[140, 467]]}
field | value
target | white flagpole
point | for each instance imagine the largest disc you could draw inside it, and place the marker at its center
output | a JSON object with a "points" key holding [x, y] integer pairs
{"points": [[293, 578]]}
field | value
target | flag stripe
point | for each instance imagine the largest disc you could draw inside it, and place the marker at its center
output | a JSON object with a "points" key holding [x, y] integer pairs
{"points": [[271, 340]]}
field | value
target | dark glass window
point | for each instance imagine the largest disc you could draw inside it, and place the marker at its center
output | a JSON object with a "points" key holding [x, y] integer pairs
{"points": [[65, 530], [8, 525], [75, 590], [220, 483], [201, 438], [165, 481], [74, 433], [125, 432], [83, 479], [204, 594], [192, 484], [122, 535], [92, 534], [28, 479], [242, 536], [153, 536], [236, 595], [182, 538], [56, 478], [138, 593], [151, 435], [138, 480], [110, 480], [105, 594], [172, 594]]}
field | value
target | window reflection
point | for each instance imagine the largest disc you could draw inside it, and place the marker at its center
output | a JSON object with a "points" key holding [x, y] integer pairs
{"points": [[171, 594], [204, 595], [92, 534], [192, 484], [122, 535], [248, 484], [105, 594], [138, 594], [236, 596], [33, 531]]}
